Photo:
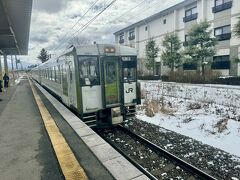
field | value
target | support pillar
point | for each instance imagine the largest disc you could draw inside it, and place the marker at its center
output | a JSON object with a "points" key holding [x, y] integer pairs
{"points": [[1, 76], [5, 64], [12, 70], [16, 61]]}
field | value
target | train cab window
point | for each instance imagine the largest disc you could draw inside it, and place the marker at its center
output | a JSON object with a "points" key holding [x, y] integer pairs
{"points": [[129, 69], [88, 70], [129, 74]]}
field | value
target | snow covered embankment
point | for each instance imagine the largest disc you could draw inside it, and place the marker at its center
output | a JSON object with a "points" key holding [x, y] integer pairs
{"points": [[207, 113]]}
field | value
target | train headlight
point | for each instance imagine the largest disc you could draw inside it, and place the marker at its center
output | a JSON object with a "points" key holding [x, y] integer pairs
{"points": [[109, 50]]}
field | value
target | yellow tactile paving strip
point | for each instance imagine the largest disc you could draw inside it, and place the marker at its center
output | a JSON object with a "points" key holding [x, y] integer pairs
{"points": [[68, 162]]}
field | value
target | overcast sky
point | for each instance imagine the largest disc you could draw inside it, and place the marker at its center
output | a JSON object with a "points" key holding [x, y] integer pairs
{"points": [[53, 20]]}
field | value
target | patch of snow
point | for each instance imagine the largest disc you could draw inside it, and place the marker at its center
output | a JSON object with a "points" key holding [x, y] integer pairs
{"points": [[237, 167], [210, 163], [207, 113]]}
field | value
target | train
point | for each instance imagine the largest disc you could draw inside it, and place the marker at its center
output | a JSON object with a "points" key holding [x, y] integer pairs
{"points": [[98, 82]]}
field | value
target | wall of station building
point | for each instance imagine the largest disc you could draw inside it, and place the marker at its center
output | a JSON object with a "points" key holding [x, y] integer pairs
{"points": [[173, 22]]}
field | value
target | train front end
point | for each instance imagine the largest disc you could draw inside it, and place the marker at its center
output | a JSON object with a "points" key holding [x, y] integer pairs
{"points": [[108, 84]]}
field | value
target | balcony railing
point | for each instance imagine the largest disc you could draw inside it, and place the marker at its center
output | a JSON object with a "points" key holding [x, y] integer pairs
{"points": [[121, 41], [190, 17], [131, 38], [224, 37], [222, 7]]}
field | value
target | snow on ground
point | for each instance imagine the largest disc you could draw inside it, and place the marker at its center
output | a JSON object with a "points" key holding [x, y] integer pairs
{"points": [[207, 113]]}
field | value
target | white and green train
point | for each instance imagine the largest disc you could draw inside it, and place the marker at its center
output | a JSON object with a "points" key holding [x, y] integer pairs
{"points": [[98, 82]]}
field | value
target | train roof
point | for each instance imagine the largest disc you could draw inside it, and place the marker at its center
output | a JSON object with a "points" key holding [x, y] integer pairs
{"points": [[95, 49], [100, 49]]}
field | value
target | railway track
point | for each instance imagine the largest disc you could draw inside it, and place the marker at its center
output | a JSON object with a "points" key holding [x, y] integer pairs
{"points": [[152, 160]]}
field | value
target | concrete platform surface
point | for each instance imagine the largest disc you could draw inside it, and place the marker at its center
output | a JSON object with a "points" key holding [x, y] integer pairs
{"points": [[25, 150]]}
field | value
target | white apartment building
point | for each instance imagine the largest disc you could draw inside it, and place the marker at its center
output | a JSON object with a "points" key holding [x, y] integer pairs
{"points": [[221, 14]]}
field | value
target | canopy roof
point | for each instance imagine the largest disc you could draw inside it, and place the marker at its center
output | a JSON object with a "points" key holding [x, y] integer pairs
{"points": [[15, 17]]}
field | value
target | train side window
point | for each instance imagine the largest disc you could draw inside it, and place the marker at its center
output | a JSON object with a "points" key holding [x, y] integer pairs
{"points": [[56, 74], [59, 74], [70, 72], [88, 70], [52, 73], [48, 73]]}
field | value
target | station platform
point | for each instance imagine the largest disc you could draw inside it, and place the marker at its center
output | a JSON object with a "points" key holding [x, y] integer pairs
{"points": [[42, 139]]}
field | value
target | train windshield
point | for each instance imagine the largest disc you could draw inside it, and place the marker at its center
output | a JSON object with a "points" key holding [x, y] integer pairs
{"points": [[129, 69], [88, 70]]}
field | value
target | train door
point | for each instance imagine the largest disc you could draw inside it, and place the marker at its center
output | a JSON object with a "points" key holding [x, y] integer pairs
{"points": [[111, 81], [64, 80], [71, 84]]}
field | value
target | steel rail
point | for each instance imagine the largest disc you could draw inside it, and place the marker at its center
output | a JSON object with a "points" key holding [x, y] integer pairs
{"points": [[137, 165], [179, 162]]}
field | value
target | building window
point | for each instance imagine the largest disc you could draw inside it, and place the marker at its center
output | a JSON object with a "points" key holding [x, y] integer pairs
{"points": [[220, 2], [131, 35], [190, 66], [221, 62], [190, 14], [221, 5], [164, 21], [191, 11], [146, 28], [185, 43], [121, 39], [223, 33]]}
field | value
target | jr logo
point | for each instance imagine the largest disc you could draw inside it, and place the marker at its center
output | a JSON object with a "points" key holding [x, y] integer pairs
{"points": [[129, 90]]}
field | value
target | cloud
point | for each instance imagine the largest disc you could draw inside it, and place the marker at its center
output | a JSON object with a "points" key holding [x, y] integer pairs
{"points": [[53, 20], [39, 38], [52, 6]]}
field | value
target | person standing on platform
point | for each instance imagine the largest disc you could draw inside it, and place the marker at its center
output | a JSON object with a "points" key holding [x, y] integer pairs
{"points": [[6, 80]]}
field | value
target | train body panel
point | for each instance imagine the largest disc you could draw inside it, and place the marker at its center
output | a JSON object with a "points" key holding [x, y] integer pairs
{"points": [[97, 81], [130, 92], [92, 99]]}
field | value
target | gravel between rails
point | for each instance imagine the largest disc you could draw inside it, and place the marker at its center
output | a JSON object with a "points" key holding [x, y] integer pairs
{"points": [[213, 161], [157, 165]]}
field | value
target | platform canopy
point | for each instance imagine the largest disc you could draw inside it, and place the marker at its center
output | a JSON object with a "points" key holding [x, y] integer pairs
{"points": [[15, 17]]}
